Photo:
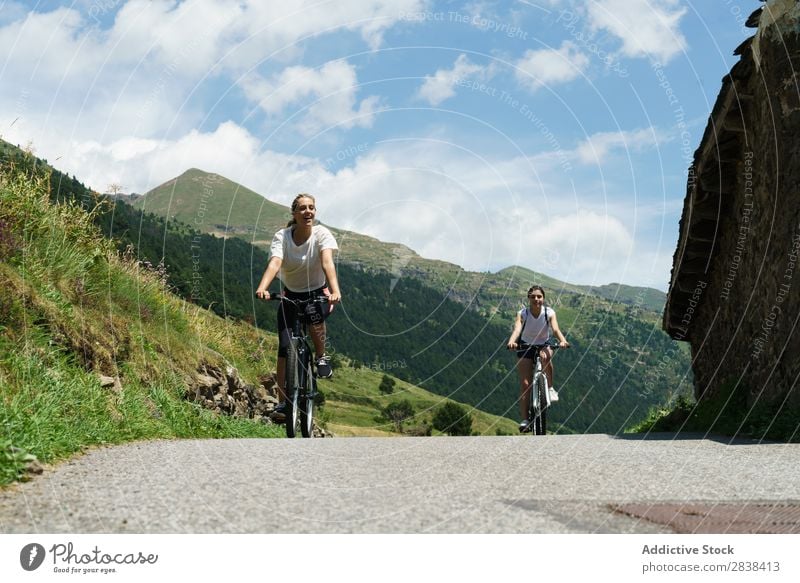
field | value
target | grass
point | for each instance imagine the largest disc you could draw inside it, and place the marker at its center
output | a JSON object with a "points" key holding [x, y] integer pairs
{"points": [[354, 403], [72, 309], [725, 413]]}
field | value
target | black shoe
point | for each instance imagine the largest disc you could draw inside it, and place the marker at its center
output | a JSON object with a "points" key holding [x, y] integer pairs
{"points": [[525, 426], [324, 370], [278, 414]]}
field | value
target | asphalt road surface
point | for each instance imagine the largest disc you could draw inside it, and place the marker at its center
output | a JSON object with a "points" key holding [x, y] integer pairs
{"points": [[519, 484]]}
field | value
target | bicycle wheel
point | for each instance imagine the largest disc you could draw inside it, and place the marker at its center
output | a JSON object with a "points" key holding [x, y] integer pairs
{"points": [[540, 422], [293, 384], [307, 402]]}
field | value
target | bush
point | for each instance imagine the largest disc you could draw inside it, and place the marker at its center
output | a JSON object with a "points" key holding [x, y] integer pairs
{"points": [[387, 385], [398, 412], [725, 413], [453, 419]]}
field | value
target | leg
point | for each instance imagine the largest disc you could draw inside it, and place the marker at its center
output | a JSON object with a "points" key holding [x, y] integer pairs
{"points": [[318, 336], [525, 371], [285, 315], [281, 374], [547, 364]]}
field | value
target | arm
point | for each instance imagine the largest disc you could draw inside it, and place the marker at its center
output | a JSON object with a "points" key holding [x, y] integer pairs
{"points": [[512, 340], [273, 268], [562, 342], [329, 269]]}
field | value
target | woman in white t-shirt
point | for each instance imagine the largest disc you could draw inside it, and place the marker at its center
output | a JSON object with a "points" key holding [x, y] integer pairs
{"points": [[533, 326], [303, 255]]}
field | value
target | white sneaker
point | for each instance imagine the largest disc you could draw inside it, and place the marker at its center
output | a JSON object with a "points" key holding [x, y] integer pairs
{"points": [[553, 394]]}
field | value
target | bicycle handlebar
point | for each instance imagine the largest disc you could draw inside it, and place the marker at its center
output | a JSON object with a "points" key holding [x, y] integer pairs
{"points": [[554, 344], [298, 302]]}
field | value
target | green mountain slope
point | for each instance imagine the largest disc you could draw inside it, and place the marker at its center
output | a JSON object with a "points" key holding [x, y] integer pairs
{"points": [[213, 204], [216, 205], [71, 308], [449, 326]]}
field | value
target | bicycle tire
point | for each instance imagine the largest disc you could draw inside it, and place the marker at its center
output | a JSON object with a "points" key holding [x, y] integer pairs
{"points": [[540, 421], [293, 384], [307, 402]]}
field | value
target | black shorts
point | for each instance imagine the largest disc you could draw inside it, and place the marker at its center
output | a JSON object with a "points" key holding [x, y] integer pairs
{"points": [[315, 313], [529, 352]]}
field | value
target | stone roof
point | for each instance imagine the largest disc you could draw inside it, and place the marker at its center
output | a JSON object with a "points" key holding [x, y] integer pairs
{"points": [[712, 179]]}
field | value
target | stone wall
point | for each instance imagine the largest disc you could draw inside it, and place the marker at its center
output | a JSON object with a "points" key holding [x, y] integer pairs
{"points": [[735, 286], [226, 393]]}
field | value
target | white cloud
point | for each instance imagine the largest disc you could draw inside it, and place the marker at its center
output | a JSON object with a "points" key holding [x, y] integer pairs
{"points": [[646, 28], [187, 37], [120, 104], [442, 201], [551, 66], [12, 12], [595, 148], [141, 75], [274, 29], [441, 85], [448, 204], [141, 164], [328, 92], [48, 46]]}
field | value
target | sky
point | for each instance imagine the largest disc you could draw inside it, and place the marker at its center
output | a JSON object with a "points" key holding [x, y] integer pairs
{"points": [[555, 135]]}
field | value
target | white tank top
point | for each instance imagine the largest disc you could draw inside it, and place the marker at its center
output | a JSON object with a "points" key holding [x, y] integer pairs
{"points": [[535, 330]]}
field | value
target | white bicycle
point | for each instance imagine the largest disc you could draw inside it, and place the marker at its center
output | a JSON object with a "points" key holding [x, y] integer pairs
{"points": [[541, 395]]}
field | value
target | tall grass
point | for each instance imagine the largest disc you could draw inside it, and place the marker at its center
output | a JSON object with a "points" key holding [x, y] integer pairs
{"points": [[725, 413], [71, 309]]}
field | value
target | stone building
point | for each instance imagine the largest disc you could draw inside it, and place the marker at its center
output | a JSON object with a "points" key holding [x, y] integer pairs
{"points": [[735, 287]]}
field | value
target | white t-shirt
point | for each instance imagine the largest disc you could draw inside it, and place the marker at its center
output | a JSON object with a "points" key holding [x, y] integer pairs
{"points": [[535, 330], [301, 269]]}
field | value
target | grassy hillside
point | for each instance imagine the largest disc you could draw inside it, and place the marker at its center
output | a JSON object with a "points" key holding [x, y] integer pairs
{"points": [[213, 204], [72, 308]]}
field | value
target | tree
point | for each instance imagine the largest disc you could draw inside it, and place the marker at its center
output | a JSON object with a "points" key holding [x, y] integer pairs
{"points": [[387, 385], [453, 419], [398, 412]]}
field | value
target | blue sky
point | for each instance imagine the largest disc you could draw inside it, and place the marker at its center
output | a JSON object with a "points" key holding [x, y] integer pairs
{"points": [[553, 135]]}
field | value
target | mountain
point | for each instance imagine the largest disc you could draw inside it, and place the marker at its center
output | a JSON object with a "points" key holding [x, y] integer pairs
{"points": [[216, 205], [447, 325], [448, 340]]}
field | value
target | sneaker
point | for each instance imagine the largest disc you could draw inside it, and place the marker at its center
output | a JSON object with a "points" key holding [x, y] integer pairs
{"points": [[279, 412], [552, 394], [324, 370], [524, 425]]}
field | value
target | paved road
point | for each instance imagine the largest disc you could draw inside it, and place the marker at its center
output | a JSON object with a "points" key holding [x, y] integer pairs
{"points": [[556, 484]]}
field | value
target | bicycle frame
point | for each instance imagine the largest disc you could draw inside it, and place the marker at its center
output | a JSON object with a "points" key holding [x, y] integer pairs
{"points": [[539, 390], [300, 379]]}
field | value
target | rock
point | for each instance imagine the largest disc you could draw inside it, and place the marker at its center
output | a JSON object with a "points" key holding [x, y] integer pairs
{"points": [[204, 381], [111, 383], [226, 393], [105, 381]]}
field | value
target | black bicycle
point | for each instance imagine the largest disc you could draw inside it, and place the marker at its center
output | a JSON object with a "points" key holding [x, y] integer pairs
{"points": [[540, 398], [301, 380]]}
